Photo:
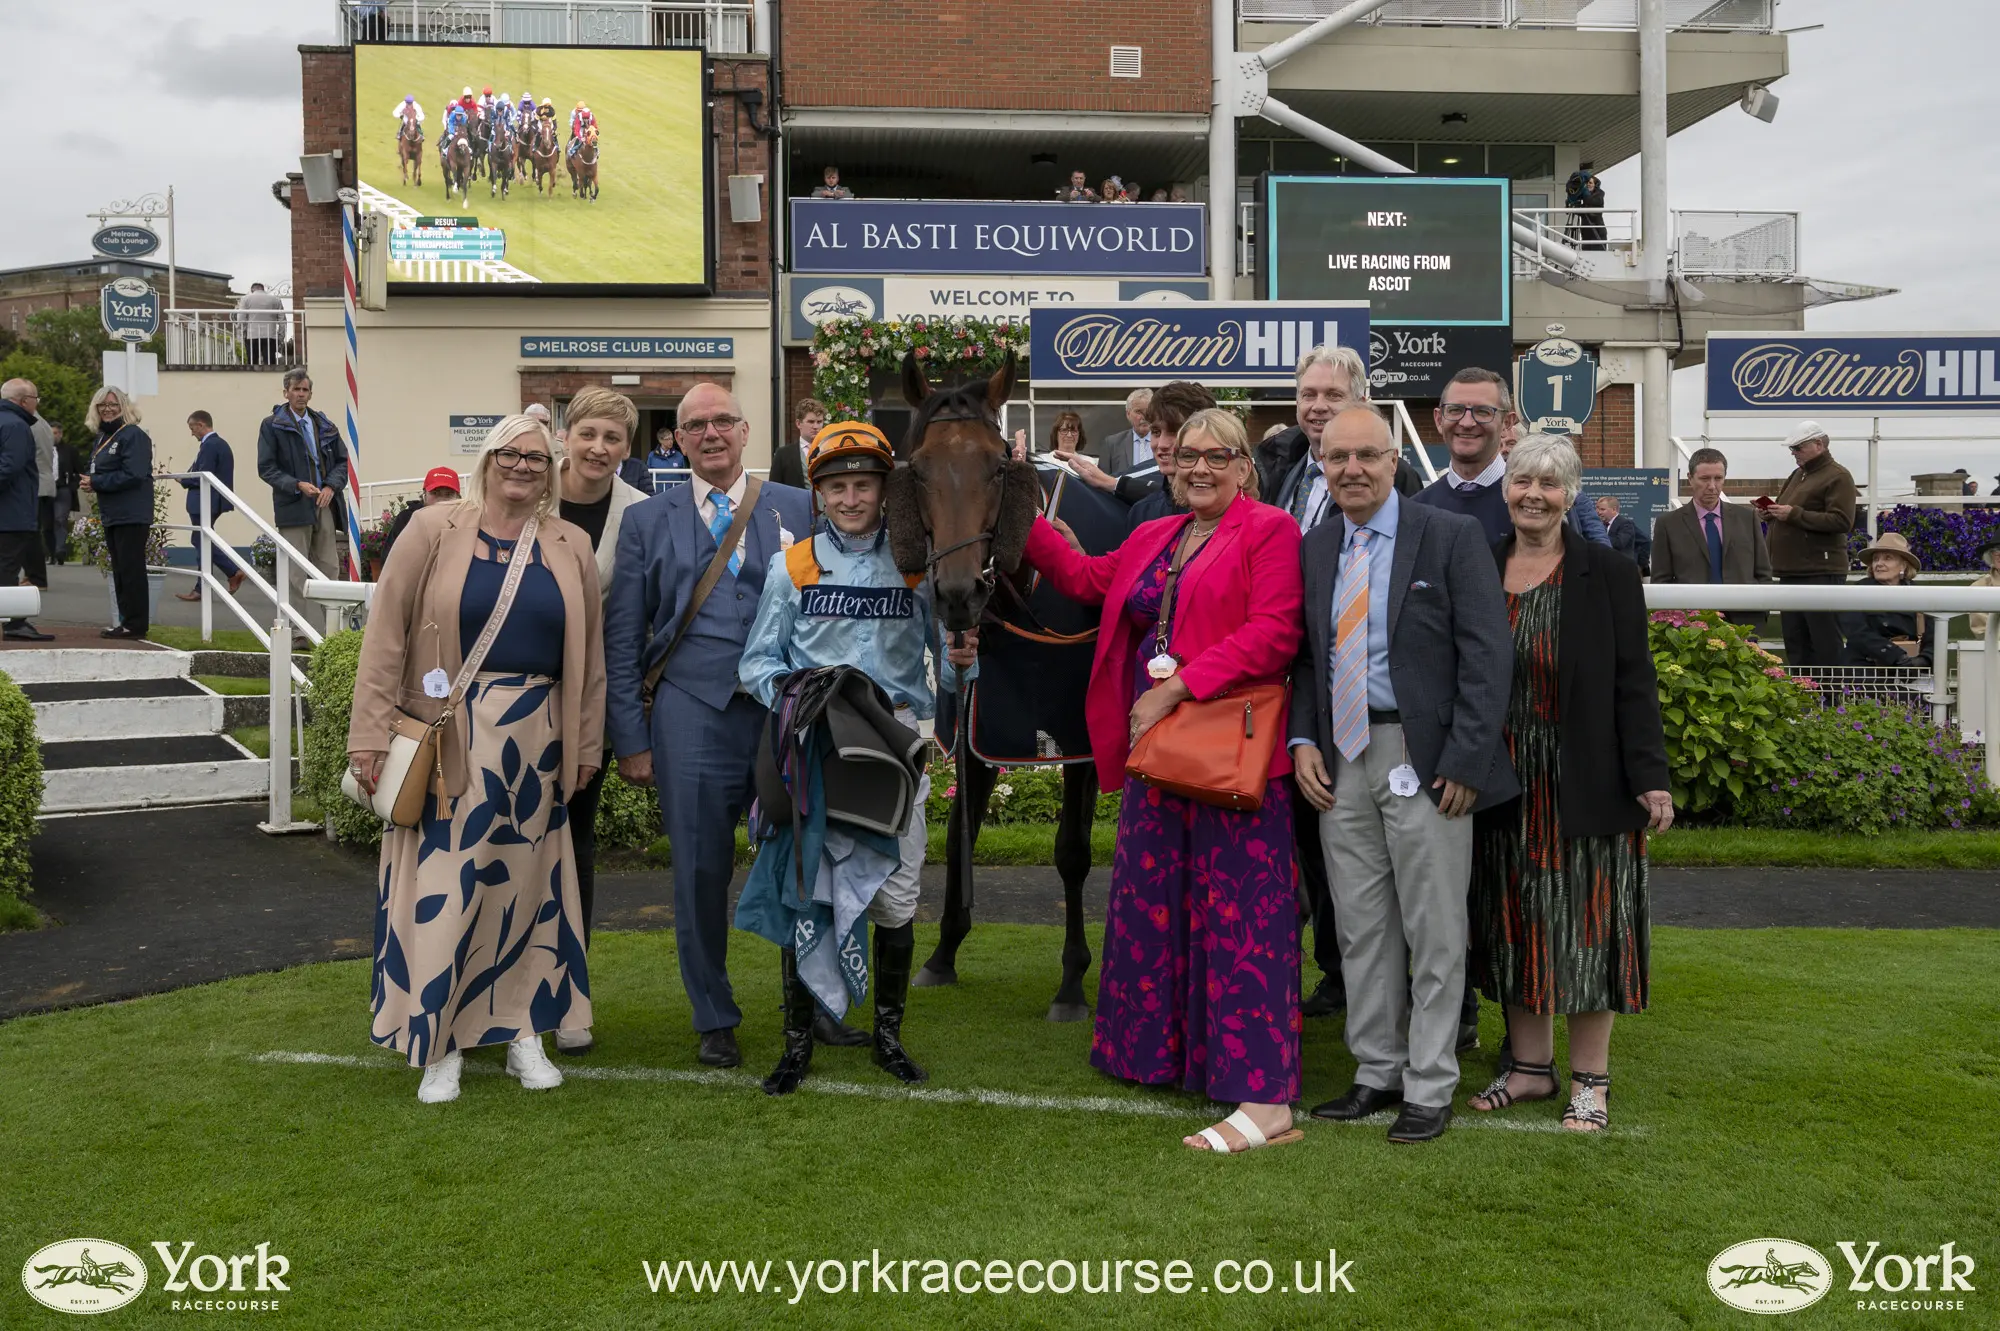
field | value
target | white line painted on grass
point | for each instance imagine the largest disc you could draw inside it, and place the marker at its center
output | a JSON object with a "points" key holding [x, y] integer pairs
{"points": [[1086, 1104]]}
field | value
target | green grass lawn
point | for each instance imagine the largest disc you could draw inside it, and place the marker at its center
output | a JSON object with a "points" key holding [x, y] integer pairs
{"points": [[645, 226], [189, 639], [1814, 1085], [237, 685]]}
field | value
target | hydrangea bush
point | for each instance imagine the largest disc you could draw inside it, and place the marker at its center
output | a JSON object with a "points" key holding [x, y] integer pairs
{"points": [[1722, 699]]}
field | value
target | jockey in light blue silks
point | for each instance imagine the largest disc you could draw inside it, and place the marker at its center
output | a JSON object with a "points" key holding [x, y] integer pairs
{"points": [[832, 600]]}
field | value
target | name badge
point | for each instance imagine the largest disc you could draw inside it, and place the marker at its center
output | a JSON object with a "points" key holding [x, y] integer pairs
{"points": [[1403, 780], [821, 601]]}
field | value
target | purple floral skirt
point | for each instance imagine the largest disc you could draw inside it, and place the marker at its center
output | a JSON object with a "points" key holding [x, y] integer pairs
{"points": [[1200, 981]]}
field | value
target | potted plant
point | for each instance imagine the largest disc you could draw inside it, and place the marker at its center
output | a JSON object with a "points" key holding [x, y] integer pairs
{"points": [[374, 548], [88, 536]]}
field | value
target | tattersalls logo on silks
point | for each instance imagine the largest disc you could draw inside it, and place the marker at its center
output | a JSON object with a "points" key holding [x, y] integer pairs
{"points": [[1770, 1276], [84, 1276]]}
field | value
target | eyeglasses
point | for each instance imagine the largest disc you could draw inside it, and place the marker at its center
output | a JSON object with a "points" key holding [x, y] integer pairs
{"points": [[722, 424], [515, 460], [1458, 411], [1216, 458], [1367, 457]]}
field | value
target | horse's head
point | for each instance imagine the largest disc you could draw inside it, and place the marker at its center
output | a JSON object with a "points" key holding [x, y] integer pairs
{"points": [[959, 507]]}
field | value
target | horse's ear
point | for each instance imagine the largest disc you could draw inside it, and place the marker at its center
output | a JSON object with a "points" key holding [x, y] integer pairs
{"points": [[1020, 501], [903, 514], [1001, 386], [915, 387]]}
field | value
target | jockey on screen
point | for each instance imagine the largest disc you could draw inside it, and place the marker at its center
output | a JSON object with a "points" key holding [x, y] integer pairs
{"points": [[579, 120], [409, 111]]}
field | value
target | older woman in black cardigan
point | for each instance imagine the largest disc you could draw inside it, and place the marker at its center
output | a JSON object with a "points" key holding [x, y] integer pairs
{"points": [[1559, 897]]}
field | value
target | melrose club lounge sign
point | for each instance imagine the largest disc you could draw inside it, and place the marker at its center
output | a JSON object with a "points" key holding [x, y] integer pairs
{"points": [[1245, 344], [977, 236], [1862, 374]]}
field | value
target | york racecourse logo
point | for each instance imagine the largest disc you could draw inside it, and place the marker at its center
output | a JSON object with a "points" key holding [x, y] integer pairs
{"points": [[1770, 1276], [84, 1276]]}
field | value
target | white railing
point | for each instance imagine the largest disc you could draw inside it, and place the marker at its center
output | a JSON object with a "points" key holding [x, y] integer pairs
{"points": [[719, 26], [1407, 439], [1611, 229], [1710, 244], [235, 339], [1928, 599], [213, 585], [1601, 15]]}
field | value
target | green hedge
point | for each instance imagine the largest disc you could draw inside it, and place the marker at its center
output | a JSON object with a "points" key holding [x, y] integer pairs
{"points": [[325, 760], [20, 799]]}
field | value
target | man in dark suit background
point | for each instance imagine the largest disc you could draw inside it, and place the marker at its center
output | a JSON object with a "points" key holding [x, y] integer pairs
{"points": [[1623, 534], [703, 726], [788, 460], [1708, 540], [1119, 450], [212, 455], [1399, 693]]}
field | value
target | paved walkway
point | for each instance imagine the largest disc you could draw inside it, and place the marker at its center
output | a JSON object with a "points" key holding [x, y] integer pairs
{"points": [[168, 898]]}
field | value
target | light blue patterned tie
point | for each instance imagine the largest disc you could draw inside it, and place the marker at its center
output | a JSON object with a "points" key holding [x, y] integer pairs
{"points": [[1350, 654], [718, 527]]}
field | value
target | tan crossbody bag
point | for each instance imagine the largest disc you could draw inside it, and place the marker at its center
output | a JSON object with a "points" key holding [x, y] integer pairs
{"points": [[752, 487], [415, 763]]}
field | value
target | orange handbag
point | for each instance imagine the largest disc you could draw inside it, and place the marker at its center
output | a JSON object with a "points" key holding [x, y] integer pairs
{"points": [[1216, 751]]}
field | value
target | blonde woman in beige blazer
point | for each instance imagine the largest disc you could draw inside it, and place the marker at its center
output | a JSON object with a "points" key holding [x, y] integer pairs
{"points": [[479, 926]]}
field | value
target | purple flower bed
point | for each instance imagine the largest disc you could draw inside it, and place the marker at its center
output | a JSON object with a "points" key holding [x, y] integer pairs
{"points": [[1946, 540]]}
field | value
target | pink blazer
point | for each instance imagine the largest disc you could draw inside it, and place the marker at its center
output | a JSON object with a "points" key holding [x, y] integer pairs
{"points": [[1238, 614]]}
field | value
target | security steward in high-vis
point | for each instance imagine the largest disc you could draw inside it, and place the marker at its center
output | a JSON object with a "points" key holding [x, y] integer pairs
{"points": [[839, 600]]}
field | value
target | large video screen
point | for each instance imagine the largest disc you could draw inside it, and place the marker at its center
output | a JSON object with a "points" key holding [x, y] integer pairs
{"points": [[1418, 249], [560, 168]]}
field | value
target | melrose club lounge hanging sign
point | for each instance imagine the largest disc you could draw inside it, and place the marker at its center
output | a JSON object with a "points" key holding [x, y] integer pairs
{"points": [[1246, 344], [1856, 374], [978, 237]]}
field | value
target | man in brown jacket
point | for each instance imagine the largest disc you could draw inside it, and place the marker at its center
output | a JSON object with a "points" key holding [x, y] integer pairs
{"points": [[1808, 534]]}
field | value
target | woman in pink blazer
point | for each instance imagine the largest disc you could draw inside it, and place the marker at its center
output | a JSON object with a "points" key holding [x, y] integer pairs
{"points": [[1200, 981]]}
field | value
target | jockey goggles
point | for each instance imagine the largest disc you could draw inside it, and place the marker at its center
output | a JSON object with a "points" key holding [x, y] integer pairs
{"points": [[848, 446]]}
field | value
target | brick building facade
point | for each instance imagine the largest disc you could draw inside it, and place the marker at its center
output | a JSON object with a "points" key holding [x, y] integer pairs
{"points": [[1027, 55]]}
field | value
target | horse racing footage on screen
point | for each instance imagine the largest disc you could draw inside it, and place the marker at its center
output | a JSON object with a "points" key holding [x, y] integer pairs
{"points": [[529, 166]]}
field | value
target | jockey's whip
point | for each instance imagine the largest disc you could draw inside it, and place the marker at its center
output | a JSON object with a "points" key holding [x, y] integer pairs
{"points": [[962, 758]]}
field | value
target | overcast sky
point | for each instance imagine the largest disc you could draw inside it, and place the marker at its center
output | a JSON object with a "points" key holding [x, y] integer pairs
{"points": [[1884, 141]]}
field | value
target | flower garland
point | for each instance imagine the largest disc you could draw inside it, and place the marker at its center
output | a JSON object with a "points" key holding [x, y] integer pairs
{"points": [[844, 351]]}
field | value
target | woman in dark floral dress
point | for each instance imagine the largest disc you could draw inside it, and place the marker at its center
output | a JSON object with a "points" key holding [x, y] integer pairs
{"points": [[1559, 917], [1200, 982]]}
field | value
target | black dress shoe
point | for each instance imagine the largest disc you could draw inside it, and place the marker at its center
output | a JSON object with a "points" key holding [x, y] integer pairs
{"points": [[27, 633], [831, 1030], [1420, 1123], [120, 632], [1328, 997], [718, 1049], [1359, 1102]]}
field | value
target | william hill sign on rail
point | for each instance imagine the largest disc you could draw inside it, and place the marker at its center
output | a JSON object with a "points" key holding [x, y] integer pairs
{"points": [[1860, 374], [1248, 345]]}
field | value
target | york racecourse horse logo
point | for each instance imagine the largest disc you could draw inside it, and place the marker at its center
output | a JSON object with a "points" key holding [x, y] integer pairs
{"points": [[97, 1275], [1777, 1274]]}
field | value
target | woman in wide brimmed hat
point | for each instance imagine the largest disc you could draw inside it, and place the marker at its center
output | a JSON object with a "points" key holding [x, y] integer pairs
{"points": [[1890, 637], [1989, 555]]}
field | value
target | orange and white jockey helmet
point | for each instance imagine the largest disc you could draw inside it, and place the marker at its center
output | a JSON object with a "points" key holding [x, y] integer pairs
{"points": [[848, 446]]}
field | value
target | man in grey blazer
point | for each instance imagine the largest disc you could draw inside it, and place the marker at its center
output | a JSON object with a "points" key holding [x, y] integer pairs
{"points": [[1117, 452], [1397, 703], [1708, 540], [700, 742]]}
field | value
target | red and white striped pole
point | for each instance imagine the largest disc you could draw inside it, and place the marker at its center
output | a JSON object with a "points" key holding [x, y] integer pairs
{"points": [[349, 214]]}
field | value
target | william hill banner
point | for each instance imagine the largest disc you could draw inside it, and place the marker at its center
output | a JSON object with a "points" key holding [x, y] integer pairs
{"points": [[1252, 344], [1861, 374]]}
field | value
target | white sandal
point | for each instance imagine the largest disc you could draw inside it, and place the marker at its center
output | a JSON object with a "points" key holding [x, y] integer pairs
{"points": [[1253, 1136]]}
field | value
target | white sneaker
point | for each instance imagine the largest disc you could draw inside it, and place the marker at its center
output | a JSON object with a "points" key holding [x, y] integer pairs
{"points": [[574, 1042], [526, 1061], [440, 1081]]}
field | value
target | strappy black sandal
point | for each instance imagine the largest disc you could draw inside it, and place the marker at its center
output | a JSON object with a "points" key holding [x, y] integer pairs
{"points": [[1496, 1094], [1585, 1106]]}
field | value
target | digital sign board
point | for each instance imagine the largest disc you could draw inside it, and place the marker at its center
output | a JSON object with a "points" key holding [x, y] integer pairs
{"points": [[601, 181], [1423, 250]]}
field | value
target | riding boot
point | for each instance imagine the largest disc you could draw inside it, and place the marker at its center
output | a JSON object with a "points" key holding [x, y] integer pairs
{"points": [[797, 1058], [895, 950]]}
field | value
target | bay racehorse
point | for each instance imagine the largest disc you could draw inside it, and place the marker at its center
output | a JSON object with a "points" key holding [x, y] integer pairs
{"points": [[543, 154], [960, 508], [455, 160], [478, 132], [500, 161], [583, 166], [410, 150]]}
